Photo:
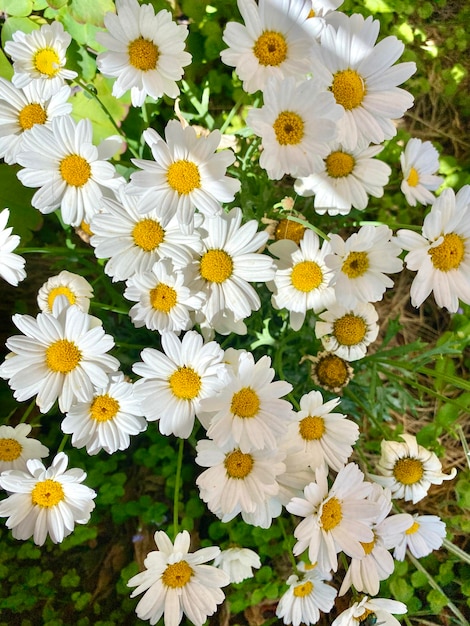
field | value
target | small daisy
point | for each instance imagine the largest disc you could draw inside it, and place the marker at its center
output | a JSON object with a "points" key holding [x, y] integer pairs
{"points": [[305, 598], [11, 264], [16, 447], [21, 109], [441, 255], [346, 180], [62, 161], [361, 262], [336, 519], [75, 288], [408, 469], [380, 610], [296, 123], [286, 228], [326, 437], [178, 582], [106, 420], [180, 377], [61, 355], [187, 173], [276, 40], [329, 371], [347, 331], [419, 163], [238, 563], [39, 57], [44, 501], [424, 534]]}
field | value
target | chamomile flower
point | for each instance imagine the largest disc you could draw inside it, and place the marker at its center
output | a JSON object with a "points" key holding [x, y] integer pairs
{"points": [[330, 371], [40, 57], [69, 170], [107, 419], [145, 51], [409, 469], [295, 123], [305, 598], [320, 13], [21, 109], [441, 255], [419, 163], [61, 355], [275, 40], [178, 582], [74, 287], [424, 534], [360, 264], [379, 608], [347, 331], [187, 174], [238, 563], [346, 180], [16, 447], [11, 264], [180, 377], [45, 502]]}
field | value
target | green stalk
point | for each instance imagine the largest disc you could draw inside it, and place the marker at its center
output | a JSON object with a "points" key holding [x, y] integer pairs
{"points": [[28, 411], [450, 547], [287, 543], [176, 499], [65, 438], [319, 232], [464, 443]]}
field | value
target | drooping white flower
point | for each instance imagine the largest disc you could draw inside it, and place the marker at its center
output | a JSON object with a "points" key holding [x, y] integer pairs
{"points": [[419, 163], [424, 534], [16, 447], [74, 287], [11, 264], [238, 563]]}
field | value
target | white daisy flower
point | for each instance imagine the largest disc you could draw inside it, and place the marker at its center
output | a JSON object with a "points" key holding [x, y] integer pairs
{"points": [[11, 264], [187, 173], [305, 598], [74, 287], [69, 170], [16, 447], [360, 264], [21, 109], [249, 411], [336, 519], [275, 41], [378, 611], [61, 355], [424, 534], [133, 242], [296, 123], [105, 421], [362, 78], [347, 331], [39, 57], [180, 377], [164, 298], [346, 180], [178, 582], [419, 163], [298, 473], [441, 255], [44, 501], [326, 437], [409, 469], [238, 563]]}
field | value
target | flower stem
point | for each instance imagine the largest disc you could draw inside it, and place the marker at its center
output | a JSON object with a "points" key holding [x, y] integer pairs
{"points": [[65, 438], [176, 496], [28, 411]]}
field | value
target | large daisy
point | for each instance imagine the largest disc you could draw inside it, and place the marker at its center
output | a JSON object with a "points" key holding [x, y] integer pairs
{"points": [[11, 264], [16, 447], [419, 163]]}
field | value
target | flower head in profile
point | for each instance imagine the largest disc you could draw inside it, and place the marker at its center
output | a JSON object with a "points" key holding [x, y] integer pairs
{"points": [[423, 534], [72, 286], [419, 163], [11, 264], [46, 502], [145, 51], [380, 609], [178, 582], [238, 563], [16, 447]]}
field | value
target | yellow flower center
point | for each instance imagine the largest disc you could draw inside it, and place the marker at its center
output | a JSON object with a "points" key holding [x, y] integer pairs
{"points": [[143, 54], [216, 266], [413, 178], [332, 371], [245, 403], [339, 164], [356, 264], [412, 529], [449, 254], [408, 471], [163, 298], [75, 170], [363, 618], [86, 228], [60, 291], [238, 465], [348, 89], [47, 61], [148, 234], [270, 48], [185, 383], [47, 493], [311, 13], [62, 356], [288, 229], [104, 408], [368, 546], [289, 128], [177, 574], [183, 176], [32, 114], [349, 330], [10, 449], [306, 276], [331, 515], [312, 427], [304, 589]]}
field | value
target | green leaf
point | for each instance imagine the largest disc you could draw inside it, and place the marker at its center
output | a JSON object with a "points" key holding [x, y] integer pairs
{"points": [[6, 69], [17, 8], [14, 196], [437, 601], [25, 24], [90, 11]]}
